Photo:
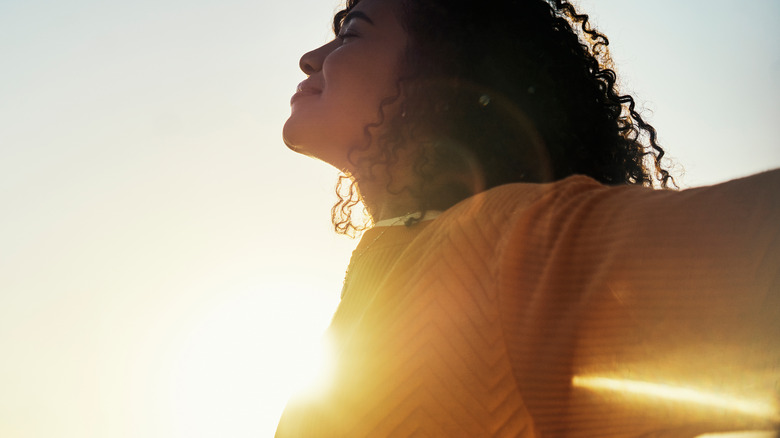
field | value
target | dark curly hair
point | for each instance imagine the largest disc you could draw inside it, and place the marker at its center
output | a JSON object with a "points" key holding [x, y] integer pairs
{"points": [[516, 91]]}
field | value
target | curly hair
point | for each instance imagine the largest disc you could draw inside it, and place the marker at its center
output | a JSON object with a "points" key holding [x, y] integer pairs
{"points": [[520, 91]]}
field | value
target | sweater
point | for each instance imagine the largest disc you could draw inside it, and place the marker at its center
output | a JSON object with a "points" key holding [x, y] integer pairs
{"points": [[569, 309]]}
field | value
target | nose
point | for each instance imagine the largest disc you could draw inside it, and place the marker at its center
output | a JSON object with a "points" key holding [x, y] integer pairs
{"points": [[311, 62]]}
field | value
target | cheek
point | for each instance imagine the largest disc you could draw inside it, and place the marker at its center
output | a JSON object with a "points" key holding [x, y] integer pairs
{"points": [[359, 80], [325, 128], [329, 125]]}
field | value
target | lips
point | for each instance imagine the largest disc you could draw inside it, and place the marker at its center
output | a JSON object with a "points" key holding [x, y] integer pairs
{"points": [[304, 89]]}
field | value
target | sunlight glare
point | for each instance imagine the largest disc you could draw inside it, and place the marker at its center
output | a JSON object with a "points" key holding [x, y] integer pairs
{"points": [[690, 395], [244, 358], [311, 371], [742, 434]]}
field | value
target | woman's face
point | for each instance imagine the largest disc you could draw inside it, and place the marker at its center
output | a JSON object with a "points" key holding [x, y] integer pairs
{"points": [[347, 80]]}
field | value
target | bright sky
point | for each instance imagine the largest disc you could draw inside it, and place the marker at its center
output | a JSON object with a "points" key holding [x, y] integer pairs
{"points": [[166, 263]]}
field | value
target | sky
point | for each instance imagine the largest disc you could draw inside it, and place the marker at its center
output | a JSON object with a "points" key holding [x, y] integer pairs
{"points": [[167, 266]]}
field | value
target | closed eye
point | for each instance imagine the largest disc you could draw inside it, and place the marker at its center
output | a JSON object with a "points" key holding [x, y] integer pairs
{"points": [[346, 35], [347, 25]]}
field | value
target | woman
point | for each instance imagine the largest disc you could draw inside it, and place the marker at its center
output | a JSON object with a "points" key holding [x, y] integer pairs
{"points": [[522, 278]]}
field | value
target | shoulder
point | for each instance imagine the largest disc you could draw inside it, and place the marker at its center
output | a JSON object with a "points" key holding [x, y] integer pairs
{"points": [[508, 198], [480, 226], [584, 215]]}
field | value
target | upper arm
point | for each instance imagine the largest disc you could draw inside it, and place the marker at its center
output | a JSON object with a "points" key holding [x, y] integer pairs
{"points": [[606, 287]]}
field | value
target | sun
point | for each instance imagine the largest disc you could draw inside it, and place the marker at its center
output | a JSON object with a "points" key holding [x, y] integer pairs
{"points": [[238, 363]]}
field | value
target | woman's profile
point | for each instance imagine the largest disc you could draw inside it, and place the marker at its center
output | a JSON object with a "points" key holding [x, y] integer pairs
{"points": [[526, 267]]}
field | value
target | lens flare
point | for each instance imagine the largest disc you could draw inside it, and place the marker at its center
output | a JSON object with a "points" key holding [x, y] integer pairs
{"points": [[668, 392]]}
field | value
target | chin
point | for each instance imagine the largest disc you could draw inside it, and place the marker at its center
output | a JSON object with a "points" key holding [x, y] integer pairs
{"points": [[287, 132], [289, 143], [292, 136], [304, 139]]}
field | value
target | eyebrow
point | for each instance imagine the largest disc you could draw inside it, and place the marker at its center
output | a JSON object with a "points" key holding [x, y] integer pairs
{"points": [[353, 15]]}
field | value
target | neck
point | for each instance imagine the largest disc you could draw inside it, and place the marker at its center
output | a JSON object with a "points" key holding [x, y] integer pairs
{"points": [[408, 218], [390, 208], [382, 204]]}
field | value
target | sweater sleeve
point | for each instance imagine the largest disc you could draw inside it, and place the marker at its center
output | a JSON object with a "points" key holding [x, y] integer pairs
{"points": [[629, 311]]}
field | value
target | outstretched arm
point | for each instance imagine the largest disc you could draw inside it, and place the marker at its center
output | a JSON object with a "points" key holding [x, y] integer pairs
{"points": [[631, 311]]}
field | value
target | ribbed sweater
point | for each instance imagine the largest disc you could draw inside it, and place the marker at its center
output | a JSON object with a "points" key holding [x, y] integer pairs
{"points": [[569, 309]]}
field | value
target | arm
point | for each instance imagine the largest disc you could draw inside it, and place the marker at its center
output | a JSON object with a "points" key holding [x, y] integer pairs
{"points": [[629, 310]]}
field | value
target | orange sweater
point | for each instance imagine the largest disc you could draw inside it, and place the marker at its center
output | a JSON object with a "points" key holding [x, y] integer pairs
{"points": [[569, 309]]}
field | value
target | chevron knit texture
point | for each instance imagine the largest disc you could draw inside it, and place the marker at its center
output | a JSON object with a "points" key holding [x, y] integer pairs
{"points": [[569, 309]]}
